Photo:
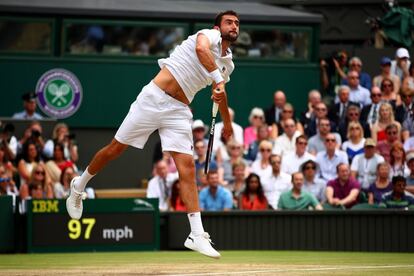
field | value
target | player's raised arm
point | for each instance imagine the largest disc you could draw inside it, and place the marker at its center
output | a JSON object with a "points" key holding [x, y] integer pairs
{"points": [[219, 95]]}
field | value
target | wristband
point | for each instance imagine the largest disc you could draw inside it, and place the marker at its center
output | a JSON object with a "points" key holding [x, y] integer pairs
{"points": [[216, 76]]}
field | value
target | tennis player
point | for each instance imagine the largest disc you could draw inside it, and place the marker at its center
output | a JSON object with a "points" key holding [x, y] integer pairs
{"points": [[202, 59]]}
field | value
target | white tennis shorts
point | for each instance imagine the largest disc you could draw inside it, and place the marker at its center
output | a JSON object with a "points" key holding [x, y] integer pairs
{"points": [[154, 109]]}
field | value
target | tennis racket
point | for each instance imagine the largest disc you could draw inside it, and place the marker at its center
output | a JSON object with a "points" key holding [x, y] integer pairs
{"points": [[211, 138]]}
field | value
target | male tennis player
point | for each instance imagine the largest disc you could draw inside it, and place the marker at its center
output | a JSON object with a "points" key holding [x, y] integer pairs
{"points": [[202, 59]]}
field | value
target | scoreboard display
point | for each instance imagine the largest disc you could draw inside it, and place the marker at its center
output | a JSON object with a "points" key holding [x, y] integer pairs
{"points": [[106, 225]]}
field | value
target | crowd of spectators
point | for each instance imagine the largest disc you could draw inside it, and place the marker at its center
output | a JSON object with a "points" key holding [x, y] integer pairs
{"points": [[353, 147], [34, 166]]}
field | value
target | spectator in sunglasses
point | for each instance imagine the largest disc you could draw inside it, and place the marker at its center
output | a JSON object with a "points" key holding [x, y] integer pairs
{"points": [[385, 66], [355, 64], [330, 158], [313, 184]]}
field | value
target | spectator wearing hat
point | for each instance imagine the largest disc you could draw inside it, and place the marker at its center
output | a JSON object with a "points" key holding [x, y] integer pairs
{"points": [[381, 185], [401, 64], [385, 65], [199, 130], [355, 64], [343, 190], [297, 198], [312, 183], [364, 166], [410, 177], [29, 105], [398, 198], [256, 119]]}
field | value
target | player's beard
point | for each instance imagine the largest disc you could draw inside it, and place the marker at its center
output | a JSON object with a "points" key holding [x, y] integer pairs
{"points": [[230, 36]]}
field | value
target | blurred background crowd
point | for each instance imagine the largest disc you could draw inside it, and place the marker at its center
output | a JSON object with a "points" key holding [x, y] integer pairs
{"points": [[353, 147]]}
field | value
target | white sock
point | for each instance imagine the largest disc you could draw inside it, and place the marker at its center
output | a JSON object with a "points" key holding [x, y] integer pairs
{"points": [[195, 223], [83, 180]]}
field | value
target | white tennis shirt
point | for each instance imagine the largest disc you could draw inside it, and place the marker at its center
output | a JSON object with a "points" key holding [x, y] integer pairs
{"points": [[186, 68]]}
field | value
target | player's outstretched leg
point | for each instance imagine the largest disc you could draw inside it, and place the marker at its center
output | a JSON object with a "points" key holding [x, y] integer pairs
{"points": [[110, 152], [198, 240]]}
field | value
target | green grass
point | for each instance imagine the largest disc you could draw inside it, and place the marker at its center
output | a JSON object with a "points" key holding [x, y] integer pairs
{"points": [[275, 259]]}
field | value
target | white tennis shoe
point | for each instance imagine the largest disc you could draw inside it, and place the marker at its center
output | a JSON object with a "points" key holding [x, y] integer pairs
{"points": [[74, 204], [201, 243]]}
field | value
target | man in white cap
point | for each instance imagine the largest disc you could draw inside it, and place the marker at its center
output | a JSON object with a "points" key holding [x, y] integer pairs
{"points": [[364, 166], [401, 64]]}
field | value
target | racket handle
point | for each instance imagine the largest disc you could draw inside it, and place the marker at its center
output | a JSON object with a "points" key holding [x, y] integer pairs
{"points": [[214, 110]]}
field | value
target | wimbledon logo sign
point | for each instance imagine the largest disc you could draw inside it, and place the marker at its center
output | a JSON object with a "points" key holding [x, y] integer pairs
{"points": [[59, 93]]}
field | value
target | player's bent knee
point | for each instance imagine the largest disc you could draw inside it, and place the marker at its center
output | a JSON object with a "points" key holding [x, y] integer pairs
{"points": [[114, 149]]}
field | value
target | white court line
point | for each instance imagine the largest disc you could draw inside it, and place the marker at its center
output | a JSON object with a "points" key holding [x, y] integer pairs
{"points": [[293, 270]]}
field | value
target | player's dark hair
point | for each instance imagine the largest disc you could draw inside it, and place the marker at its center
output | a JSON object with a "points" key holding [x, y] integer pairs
{"points": [[217, 20]]}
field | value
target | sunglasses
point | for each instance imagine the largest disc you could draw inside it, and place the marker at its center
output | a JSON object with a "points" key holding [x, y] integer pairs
{"points": [[320, 109], [310, 168], [257, 117], [330, 140], [376, 95], [406, 96], [354, 77], [356, 64], [302, 143], [5, 179], [235, 148], [263, 150], [392, 132], [387, 85], [353, 114], [40, 172], [287, 111]]}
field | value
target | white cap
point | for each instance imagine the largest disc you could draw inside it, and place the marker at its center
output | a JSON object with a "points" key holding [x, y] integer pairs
{"points": [[402, 53], [198, 124]]}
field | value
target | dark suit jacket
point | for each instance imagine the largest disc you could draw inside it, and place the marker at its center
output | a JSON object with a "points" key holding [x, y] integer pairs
{"points": [[312, 128], [270, 115], [400, 113], [333, 112], [343, 128]]}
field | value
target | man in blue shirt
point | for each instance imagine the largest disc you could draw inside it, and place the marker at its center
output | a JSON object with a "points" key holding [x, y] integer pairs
{"points": [[29, 104], [215, 197]]}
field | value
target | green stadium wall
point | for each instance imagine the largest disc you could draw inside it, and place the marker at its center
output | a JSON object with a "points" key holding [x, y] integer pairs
{"points": [[110, 86]]}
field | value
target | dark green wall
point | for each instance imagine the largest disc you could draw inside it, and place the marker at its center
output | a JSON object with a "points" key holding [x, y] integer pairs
{"points": [[109, 86]]}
